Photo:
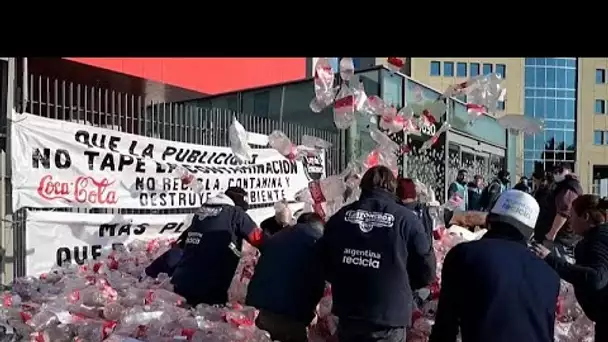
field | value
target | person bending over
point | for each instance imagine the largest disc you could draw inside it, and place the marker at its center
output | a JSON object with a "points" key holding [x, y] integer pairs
{"points": [[287, 283], [212, 248], [282, 218]]}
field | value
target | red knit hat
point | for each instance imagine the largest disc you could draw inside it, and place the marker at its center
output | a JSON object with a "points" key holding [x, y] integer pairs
{"points": [[406, 189]]}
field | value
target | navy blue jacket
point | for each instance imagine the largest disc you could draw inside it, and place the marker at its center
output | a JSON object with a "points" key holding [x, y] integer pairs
{"points": [[287, 278], [212, 248], [495, 289], [270, 226], [373, 251], [165, 263], [168, 261]]}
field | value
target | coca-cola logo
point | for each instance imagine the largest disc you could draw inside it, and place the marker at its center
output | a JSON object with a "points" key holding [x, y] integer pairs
{"points": [[313, 166], [85, 189]]}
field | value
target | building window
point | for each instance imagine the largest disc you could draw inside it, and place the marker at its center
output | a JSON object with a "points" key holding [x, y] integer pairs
{"points": [[448, 69], [487, 69], [598, 137], [435, 68], [501, 105], [261, 103], [501, 70], [600, 107], [600, 76], [461, 69], [392, 88], [474, 69]]}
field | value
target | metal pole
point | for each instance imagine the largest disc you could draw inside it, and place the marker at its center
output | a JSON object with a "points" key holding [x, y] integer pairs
{"points": [[404, 88], [404, 159], [25, 79], [282, 104], [6, 225], [446, 150]]}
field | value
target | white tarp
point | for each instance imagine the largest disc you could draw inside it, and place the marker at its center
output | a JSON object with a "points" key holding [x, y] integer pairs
{"points": [[55, 238], [63, 164]]}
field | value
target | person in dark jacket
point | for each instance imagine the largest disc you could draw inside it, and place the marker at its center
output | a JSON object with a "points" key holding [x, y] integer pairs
{"points": [[281, 219], [495, 289], [492, 192], [522, 185], [406, 193], [375, 251], [168, 261], [475, 190], [165, 263], [212, 248], [543, 183], [287, 283], [556, 229], [589, 276]]}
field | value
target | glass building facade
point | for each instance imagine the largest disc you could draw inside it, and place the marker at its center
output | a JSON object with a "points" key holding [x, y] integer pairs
{"points": [[550, 95]]}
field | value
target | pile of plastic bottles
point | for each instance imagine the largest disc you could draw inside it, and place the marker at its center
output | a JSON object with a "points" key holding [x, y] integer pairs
{"points": [[572, 324], [111, 299]]}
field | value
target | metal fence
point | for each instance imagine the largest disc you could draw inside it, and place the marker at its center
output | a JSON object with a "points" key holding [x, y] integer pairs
{"points": [[64, 100]]}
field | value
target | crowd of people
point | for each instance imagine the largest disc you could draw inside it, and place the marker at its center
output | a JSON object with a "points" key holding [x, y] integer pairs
{"points": [[378, 250], [554, 191]]}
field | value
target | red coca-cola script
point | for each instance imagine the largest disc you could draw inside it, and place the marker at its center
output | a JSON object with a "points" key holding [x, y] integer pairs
{"points": [[85, 189]]}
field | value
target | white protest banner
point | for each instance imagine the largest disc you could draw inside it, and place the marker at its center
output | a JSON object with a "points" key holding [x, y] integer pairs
{"points": [[56, 238], [64, 164]]}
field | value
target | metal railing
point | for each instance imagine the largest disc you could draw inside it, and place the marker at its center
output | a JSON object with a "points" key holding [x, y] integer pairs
{"points": [[64, 100]]}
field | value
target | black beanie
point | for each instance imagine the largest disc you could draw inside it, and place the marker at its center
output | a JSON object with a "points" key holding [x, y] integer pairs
{"points": [[238, 195]]}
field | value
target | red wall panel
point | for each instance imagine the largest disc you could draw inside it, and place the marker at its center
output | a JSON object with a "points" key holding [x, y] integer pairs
{"points": [[207, 75]]}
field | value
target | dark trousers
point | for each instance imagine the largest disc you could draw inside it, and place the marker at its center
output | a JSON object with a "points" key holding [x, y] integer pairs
{"points": [[165, 263], [281, 328], [359, 331], [601, 332]]}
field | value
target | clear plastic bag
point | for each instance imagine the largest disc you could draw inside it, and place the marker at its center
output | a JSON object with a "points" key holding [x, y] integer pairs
{"points": [[238, 141]]}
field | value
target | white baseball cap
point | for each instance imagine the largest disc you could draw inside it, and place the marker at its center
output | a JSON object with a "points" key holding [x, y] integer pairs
{"points": [[516, 208]]}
